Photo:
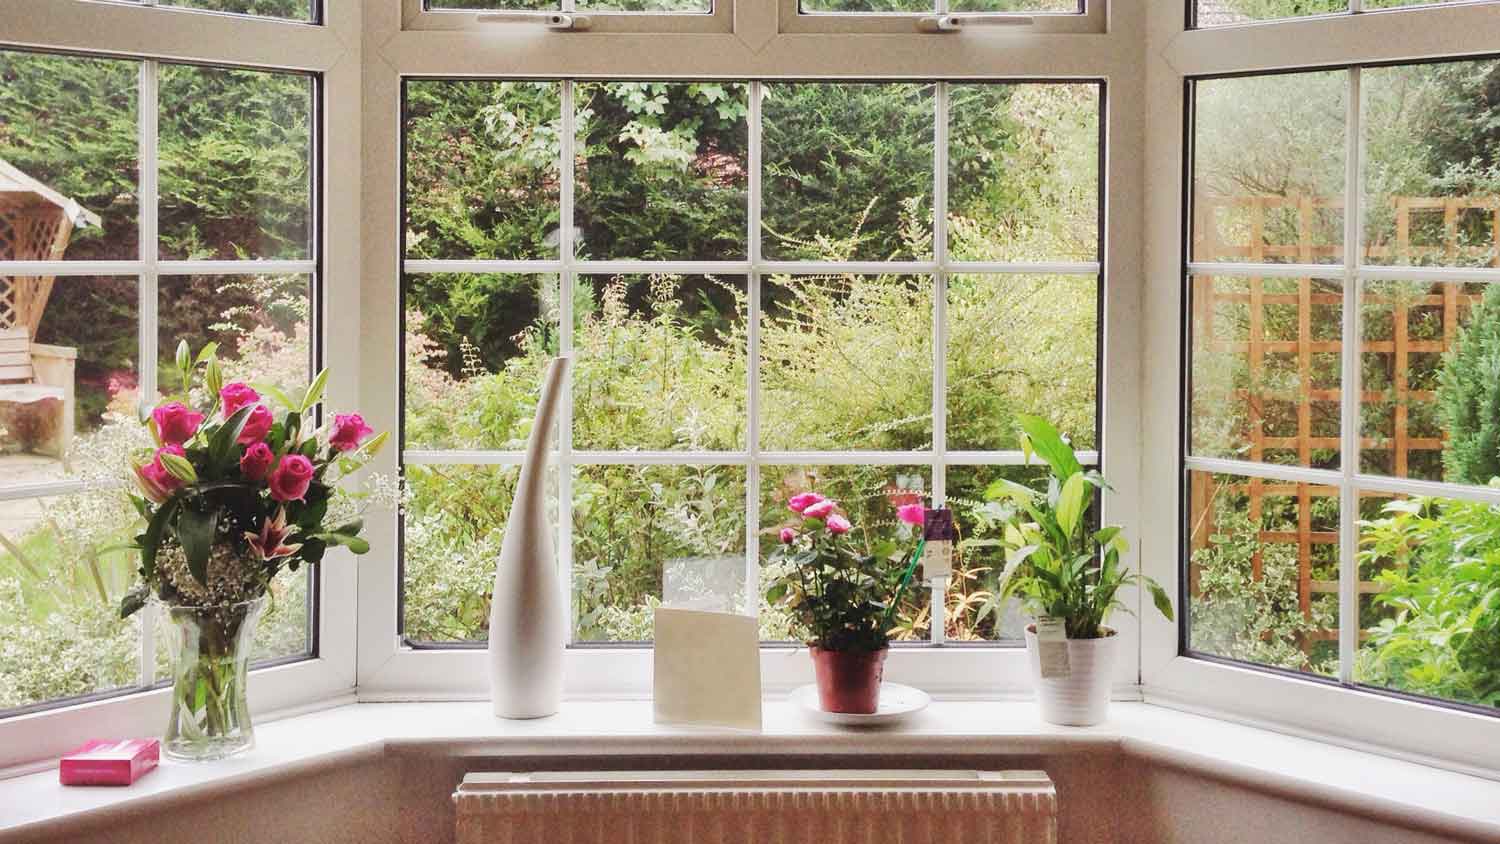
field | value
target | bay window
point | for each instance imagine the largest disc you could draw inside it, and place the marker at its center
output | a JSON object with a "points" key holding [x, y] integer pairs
{"points": [[761, 300]]}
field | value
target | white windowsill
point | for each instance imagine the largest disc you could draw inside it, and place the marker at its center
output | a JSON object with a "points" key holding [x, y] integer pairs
{"points": [[1310, 771]]}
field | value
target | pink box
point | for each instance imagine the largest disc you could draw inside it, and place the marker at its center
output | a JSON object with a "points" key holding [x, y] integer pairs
{"points": [[109, 762]]}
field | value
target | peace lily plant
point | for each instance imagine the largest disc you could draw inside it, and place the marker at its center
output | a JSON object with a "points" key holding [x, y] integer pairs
{"points": [[232, 494], [1063, 572]]}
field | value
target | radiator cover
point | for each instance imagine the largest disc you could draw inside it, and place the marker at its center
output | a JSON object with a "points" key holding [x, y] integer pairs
{"points": [[759, 807]]}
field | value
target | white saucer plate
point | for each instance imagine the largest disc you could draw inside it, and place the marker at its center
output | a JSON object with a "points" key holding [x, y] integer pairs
{"points": [[897, 703]]}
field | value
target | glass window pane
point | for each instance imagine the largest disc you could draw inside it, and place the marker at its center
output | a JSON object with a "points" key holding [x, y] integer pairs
{"points": [[72, 389], [1049, 7], [292, 10], [1432, 194], [482, 169], [846, 363], [61, 634], [677, 6], [259, 321], [1401, 4], [1263, 572], [68, 130], [972, 612], [1023, 172], [1021, 344], [662, 170], [235, 163], [644, 532], [867, 6], [1229, 12], [453, 524], [493, 5], [847, 171], [659, 363], [1266, 369], [1274, 196], [476, 346], [868, 496], [1429, 568], [1429, 380]]}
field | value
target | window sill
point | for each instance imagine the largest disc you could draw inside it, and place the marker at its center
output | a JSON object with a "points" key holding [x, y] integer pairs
{"points": [[1346, 780]]}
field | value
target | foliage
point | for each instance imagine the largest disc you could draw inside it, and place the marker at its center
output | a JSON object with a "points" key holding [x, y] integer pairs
{"points": [[1469, 396], [844, 599], [1441, 584], [1054, 563]]}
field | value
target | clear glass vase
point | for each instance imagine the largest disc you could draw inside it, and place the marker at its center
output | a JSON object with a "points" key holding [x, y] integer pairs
{"points": [[210, 649]]}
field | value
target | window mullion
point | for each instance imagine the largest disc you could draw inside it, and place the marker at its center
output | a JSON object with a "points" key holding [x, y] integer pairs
{"points": [[1349, 401], [939, 585], [752, 361], [565, 332], [147, 106]]}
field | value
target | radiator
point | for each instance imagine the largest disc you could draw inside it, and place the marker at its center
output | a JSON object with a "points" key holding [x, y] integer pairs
{"points": [[757, 807]]}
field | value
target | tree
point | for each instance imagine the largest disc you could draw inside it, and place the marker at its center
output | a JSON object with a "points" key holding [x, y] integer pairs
{"points": [[1469, 396]]}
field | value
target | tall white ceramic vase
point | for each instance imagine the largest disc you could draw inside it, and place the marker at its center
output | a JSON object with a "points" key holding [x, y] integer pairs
{"points": [[528, 625]]}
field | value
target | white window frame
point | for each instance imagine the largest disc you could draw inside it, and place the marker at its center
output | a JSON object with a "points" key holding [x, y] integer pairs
{"points": [[1425, 731], [149, 34], [755, 51], [1093, 19]]}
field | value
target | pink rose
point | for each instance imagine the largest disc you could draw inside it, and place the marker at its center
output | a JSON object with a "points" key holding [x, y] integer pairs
{"points": [[838, 524], [787, 535], [801, 501], [176, 422], [912, 514], [292, 477], [349, 430], [157, 476], [257, 425], [256, 463], [235, 396], [819, 509]]}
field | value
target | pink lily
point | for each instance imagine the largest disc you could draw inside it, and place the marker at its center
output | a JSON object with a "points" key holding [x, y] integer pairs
{"points": [[270, 542]]}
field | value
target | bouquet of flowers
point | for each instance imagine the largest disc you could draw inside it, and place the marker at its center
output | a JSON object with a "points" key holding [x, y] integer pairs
{"points": [[231, 494]]}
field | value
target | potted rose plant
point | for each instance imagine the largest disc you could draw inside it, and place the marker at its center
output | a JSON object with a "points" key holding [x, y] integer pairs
{"points": [[231, 494], [842, 598], [1066, 576]]}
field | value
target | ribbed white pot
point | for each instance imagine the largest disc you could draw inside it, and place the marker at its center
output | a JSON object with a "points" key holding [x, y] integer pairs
{"points": [[1080, 699]]}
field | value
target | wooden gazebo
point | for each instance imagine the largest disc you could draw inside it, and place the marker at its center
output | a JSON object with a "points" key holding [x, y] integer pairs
{"points": [[36, 223], [36, 380]]}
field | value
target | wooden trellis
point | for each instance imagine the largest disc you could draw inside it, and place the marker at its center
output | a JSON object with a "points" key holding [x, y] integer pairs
{"points": [[36, 224], [1250, 217]]}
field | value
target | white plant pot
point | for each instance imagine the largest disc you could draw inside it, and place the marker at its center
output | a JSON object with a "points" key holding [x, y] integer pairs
{"points": [[1080, 699]]}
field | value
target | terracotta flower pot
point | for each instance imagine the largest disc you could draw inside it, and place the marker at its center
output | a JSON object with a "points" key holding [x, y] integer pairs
{"points": [[849, 681], [1081, 699]]}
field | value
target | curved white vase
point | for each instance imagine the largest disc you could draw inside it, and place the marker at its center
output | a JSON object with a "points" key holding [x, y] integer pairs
{"points": [[1081, 699], [528, 624]]}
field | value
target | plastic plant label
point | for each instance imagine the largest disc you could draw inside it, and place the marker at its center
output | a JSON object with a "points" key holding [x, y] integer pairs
{"points": [[938, 534], [1052, 646]]}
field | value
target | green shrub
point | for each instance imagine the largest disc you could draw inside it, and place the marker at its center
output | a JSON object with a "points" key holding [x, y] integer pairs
{"points": [[1469, 396]]}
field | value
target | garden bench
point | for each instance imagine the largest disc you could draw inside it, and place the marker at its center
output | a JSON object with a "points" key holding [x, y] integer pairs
{"points": [[39, 376]]}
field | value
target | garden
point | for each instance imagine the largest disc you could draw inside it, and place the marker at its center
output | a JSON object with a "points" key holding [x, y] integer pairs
{"points": [[845, 360]]}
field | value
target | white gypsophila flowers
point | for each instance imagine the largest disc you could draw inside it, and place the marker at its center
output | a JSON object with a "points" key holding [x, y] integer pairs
{"points": [[232, 578]]}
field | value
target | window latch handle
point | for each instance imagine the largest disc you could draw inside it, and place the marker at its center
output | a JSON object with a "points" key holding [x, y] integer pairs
{"points": [[958, 23], [562, 21]]}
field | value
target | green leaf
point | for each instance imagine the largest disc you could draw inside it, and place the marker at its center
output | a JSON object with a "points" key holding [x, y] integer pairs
{"points": [[208, 352], [221, 445], [1003, 488], [134, 600], [195, 531], [276, 394], [314, 392], [1070, 503], [213, 379], [1160, 598], [1044, 439], [155, 530]]}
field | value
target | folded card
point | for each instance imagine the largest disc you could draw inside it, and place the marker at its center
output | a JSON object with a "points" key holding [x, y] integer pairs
{"points": [[707, 669]]}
